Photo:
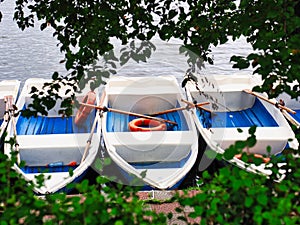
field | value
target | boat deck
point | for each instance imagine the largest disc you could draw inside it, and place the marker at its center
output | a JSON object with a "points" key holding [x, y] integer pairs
{"points": [[256, 115], [117, 122]]}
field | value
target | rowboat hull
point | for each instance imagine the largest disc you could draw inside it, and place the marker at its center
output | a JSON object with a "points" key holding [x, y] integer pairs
{"points": [[159, 159], [50, 145], [7, 88], [234, 112]]}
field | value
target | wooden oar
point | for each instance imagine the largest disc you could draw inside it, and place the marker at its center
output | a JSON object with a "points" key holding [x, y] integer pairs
{"points": [[13, 121], [177, 109], [89, 141], [290, 119], [105, 109], [198, 105], [8, 103], [269, 101], [5, 117]]}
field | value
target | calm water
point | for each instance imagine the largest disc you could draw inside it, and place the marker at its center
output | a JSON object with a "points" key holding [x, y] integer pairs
{"points": [[34, 53]]}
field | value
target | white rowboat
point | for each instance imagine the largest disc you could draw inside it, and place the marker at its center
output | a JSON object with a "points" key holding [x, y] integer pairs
{"points": [[234, 112], [51, 145], [162, 158]]}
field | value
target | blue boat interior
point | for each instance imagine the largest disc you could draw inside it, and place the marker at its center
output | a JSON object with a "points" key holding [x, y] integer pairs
{"points": [[1, 121], [42, 125], [256, 115], [52, 125], [297, 115], [117, 122]]}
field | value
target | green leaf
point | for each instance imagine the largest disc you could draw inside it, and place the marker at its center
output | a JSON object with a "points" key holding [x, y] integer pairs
{"points": [[240, 144], [206, 175], [55, 75], [252, 129], [143, 173], [43, 26], [262, 199], [251, 141], [249, 201]]}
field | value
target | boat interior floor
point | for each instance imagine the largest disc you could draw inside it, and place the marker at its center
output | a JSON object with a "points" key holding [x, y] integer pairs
{"points": [[52, 125], [117, 122], [256, 115]]}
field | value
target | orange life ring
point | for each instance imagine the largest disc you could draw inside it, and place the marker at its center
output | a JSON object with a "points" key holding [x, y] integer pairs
{"points": [[258, 156], [142, 124], [84, 111]]}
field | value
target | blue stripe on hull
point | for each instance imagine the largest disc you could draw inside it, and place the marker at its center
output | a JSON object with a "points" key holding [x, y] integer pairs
{"points": [[78, 179], [47, 169], [257, 115], [67, 189]]}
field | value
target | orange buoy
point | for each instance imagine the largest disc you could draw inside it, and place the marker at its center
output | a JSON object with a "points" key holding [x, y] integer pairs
{"points": [[142, 124]]}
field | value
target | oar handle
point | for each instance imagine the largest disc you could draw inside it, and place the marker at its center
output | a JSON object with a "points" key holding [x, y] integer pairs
{"points": [[269, 101], [105, 109]]}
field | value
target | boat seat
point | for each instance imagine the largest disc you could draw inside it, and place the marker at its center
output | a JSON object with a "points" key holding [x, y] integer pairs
{"points": [[46, 149], [275, 137], [136, 86], [148, 147]]}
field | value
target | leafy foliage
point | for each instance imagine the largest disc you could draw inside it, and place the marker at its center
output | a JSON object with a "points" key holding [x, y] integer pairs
{"points": [[233, 196], [85, 29], [98, 203]]}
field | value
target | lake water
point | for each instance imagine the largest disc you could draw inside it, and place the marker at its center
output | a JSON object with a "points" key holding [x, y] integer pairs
{"points": [[34, 53]]}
